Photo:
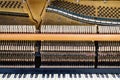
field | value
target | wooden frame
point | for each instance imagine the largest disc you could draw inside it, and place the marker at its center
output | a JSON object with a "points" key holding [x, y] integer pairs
{"points": [[60, 37]]}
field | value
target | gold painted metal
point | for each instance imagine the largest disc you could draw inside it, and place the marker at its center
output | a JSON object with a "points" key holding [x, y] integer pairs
{"points": [[33, 8], [36, 11]]}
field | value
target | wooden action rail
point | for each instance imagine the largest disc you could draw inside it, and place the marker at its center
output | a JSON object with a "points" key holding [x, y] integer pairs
{"points": [[60, 37]]}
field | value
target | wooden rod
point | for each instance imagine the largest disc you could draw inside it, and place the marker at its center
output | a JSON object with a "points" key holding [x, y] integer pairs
{"points": [[60, 37]]}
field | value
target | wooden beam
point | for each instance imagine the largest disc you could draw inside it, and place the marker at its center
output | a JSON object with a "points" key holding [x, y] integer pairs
{"points": [[60, 37]]}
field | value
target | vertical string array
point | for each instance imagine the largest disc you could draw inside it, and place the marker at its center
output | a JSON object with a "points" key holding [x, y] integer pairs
{"points": [[17, 54]]}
